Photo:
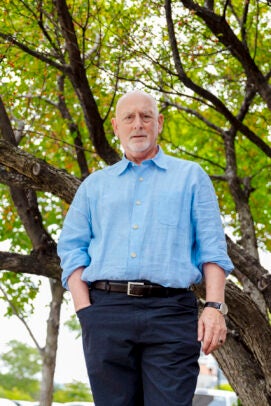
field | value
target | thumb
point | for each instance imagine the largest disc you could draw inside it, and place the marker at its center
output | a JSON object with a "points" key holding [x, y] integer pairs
{"points": [[200, 329]]}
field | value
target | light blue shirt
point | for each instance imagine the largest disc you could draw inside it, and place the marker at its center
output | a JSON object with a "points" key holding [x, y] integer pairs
{"points": [[158, 221]]}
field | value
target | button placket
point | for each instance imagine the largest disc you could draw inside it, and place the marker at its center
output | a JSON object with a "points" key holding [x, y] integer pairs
{"points": [[137, 218]]}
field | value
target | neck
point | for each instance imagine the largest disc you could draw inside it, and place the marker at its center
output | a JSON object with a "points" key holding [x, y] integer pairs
{"points": [[139, 157]]}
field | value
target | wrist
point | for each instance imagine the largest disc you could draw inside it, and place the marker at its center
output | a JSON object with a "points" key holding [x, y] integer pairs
{"points": [[219, 306]]}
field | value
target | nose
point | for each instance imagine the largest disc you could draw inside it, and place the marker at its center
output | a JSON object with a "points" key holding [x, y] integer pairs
{"points": [[138, 122]]}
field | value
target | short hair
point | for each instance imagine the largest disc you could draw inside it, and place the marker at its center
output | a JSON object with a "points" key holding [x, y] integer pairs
{"points": [[140, 93]]}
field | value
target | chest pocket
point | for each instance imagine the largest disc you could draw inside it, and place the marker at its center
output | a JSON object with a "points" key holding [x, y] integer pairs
{"points": [[168, 209]]}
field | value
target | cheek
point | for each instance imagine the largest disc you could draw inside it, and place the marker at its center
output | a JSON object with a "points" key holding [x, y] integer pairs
{"points": [[123, 138], [153, 132], [153, 129]]}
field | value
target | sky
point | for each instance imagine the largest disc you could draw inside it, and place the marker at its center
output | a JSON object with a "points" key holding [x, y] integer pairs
{"points": [[70, 364]]}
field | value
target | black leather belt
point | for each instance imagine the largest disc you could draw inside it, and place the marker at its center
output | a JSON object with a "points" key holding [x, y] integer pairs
{"points": [[138, 289]]}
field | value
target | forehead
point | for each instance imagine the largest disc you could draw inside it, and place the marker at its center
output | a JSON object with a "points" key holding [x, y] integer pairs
{"points": [[134, 103]]}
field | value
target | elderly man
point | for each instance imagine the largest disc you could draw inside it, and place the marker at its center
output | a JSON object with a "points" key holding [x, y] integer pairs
{"points": [[138, 235]]}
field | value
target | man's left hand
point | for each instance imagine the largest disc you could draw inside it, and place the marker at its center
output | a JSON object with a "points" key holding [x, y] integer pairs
{"points": [[212, 330]]}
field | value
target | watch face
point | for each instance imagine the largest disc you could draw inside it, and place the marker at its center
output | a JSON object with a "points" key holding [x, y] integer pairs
{"points": [[223, 308]]}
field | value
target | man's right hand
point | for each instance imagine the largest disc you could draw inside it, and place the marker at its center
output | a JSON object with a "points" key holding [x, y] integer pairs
{"points": [[79, 290]]}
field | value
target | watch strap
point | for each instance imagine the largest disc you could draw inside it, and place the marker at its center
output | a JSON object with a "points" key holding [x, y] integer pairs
{"points": [[220, 306]]}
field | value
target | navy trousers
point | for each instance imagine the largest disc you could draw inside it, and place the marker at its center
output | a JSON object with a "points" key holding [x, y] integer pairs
{"points": [[141, 351]]}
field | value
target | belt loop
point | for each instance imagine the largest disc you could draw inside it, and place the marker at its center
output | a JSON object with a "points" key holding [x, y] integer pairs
{"points": [[107, 287]]}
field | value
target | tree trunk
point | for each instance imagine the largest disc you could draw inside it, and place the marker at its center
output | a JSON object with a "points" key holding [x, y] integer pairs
{"points": [[245, 358], [79, 80], [50, 350], [240, 191], [244, 375], [26, 204]]}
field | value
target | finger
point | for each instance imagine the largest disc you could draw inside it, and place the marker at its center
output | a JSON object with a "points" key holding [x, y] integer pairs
{"points": [[208, 342], [200, 330], [208, 346], [212, 328], [215, 345], [213, 339]]}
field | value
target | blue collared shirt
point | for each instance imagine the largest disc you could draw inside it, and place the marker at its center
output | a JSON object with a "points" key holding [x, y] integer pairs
{"points": [[158, 221]]}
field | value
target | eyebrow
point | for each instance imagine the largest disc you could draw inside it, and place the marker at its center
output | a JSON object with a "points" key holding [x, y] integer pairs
{"points": [[125, 113]]}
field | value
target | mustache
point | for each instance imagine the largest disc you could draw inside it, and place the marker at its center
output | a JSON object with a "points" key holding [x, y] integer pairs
{"points": [[138, 135]]}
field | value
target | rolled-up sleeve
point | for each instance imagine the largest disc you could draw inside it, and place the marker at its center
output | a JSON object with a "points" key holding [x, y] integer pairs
{"points": [[75, 237], [210, 242]]}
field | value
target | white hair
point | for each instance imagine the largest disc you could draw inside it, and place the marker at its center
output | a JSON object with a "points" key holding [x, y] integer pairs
{"points": [[139, 93]]}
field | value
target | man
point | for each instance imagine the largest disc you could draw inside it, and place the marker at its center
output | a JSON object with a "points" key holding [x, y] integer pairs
{"points": [[137, 236]]}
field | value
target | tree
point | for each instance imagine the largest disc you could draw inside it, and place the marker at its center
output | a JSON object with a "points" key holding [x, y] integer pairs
{"points": [[255, 85], [208, 65]]}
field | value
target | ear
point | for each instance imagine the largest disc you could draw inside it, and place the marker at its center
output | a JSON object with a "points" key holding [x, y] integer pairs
{"points": [[115, 126], [160, 123]]}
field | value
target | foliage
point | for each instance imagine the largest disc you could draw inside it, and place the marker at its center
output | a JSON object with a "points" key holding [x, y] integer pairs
{"points": [[111, 50], [23, 388], [21, 360], [74, 325], [21, 363], [75, 391], [15, 394], [20, 292], [225, 386]]}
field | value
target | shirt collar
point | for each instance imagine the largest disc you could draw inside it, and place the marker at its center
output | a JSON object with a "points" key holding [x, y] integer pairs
{"points": [[159, 160]]}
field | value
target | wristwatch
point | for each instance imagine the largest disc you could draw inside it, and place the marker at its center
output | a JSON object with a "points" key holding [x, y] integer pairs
{"points": [[221, 307]]}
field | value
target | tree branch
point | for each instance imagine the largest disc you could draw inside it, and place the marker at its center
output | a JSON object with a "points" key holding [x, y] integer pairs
{"points": [[35, 54], [220, 107], [78, 77], [74, 129], [219, 26], [252, 269], [17, 313], [40, 174], [34, 264]]}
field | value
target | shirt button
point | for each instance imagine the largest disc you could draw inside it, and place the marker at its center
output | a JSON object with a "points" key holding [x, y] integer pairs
{"points": [[141, 179], [138, 202], [133, 254], [135, 226]]}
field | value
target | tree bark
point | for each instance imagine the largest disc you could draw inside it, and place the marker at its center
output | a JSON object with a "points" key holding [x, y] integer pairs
{"points": [[50, 350], [26, 203], [38, 173], [36, 263], [78, 78], [252, 269], [250, 341], [205, 94], [246, 356], [221, 29], [241, 194]]}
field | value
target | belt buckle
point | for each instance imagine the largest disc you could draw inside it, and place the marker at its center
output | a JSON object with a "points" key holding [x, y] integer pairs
{"points": [[129, 286]]}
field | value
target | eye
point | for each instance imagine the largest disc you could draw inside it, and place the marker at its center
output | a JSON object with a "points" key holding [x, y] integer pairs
{"points": [[147, 117], [128, 118]]}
